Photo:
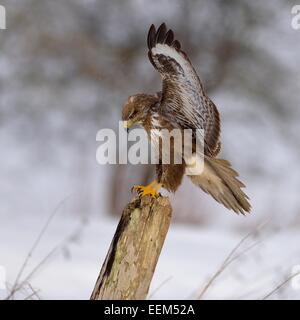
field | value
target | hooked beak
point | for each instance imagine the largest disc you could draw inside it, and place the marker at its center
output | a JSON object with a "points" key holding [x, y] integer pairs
{"points": [[127, 124]]}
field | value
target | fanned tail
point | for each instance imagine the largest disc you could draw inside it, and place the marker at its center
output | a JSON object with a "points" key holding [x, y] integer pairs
{"points": [[220, 181]]}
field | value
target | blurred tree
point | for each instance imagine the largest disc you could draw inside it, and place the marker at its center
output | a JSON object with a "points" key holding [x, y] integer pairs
{"points": [[67, 67]]}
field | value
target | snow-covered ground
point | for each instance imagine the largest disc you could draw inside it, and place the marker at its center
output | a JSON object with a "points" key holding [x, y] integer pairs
{"points": [[189, 258]]}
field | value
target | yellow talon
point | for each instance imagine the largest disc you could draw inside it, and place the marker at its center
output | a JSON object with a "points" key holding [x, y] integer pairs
{"points": [[151, 189]]}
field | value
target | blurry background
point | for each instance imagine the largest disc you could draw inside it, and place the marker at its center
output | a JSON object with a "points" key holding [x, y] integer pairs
{"points": [[66, 68]]}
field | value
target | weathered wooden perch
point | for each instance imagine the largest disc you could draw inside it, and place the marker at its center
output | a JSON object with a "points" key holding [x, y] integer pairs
{"points": [[133, 254]]}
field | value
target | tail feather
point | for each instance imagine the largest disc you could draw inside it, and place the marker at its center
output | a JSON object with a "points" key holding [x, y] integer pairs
{"points": [[220, 181]]}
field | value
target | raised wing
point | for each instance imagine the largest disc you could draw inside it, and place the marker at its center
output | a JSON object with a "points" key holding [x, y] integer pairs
{"points": [[184, 102]]}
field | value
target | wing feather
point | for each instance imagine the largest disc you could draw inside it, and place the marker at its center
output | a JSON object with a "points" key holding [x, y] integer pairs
{"points": [[161, 33], [184, 102], [151, 37], [176, 44], [169, 37]]}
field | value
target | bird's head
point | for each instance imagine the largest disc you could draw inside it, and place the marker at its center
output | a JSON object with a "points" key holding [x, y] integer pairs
{"points": [[136, 109]]}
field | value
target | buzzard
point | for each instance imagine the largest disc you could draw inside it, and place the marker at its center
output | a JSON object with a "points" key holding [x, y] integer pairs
{"points": [[183, 104]]}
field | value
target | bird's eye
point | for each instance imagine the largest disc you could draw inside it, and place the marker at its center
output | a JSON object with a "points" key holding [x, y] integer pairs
{"points": [[132, 114]]}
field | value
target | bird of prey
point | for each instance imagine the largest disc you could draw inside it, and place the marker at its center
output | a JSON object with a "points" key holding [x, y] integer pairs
{"points": [[183, 104]]}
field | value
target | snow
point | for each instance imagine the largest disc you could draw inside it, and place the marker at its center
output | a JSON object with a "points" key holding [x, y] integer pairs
{"points": [[55, 96], [189, 258]]}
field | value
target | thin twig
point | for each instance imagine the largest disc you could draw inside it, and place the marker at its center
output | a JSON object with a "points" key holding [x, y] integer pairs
{"points": [[283, 283], [159, 287], [33, 294], [35, 244], [44, 260], [230, 258]]}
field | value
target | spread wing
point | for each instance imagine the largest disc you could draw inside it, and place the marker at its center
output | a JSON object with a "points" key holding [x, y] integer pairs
{"points": [[183, 101]]}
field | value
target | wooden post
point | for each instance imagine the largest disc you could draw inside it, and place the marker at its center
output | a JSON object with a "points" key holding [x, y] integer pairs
{"points": [[129, 266]]}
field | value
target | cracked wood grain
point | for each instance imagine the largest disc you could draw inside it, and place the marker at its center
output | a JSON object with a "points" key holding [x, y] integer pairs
{"points": [[130, 263]]}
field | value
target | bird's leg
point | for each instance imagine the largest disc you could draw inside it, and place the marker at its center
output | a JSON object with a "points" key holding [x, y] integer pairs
{"points": [[151, 189]]}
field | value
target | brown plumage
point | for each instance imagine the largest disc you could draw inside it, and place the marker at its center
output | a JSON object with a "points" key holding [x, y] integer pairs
{"points": [[183, 104]]}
